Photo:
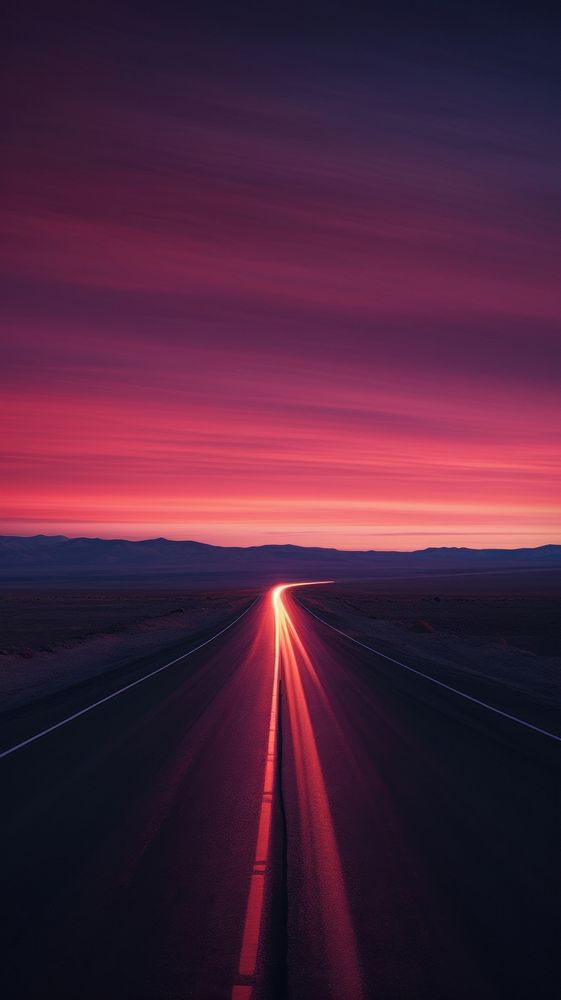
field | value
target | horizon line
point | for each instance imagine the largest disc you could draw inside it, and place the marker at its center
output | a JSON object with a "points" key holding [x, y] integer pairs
{"points": [[327, 548]]}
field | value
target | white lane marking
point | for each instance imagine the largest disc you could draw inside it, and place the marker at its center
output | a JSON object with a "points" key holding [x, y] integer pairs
{"points": [[127, 687], [433, 680]]}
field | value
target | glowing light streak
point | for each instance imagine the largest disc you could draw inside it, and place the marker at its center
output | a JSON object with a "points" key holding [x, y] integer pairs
{"points": [[323, 864]]}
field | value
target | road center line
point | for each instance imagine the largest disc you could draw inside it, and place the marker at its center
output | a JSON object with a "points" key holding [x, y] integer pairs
{"points": [[256, 896]]}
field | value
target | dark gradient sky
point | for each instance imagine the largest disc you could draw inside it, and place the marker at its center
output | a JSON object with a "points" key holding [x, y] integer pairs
{"points": [[274, 274]]}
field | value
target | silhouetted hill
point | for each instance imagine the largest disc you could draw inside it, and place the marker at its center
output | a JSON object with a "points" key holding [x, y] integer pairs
{"points": [[58, 559]]}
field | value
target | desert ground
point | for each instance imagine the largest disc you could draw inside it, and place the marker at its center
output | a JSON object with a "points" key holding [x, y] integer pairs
{"points": [[496, 636], [425, 819], [52, 639]]}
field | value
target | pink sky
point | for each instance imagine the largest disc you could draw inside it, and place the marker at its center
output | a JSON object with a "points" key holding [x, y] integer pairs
{"points": [[239, 316]]}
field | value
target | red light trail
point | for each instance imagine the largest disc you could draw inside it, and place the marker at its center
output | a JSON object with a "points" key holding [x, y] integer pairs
{"points": [[323, 864]]}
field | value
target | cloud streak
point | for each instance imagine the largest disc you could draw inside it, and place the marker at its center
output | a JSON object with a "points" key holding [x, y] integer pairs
{"points": [[243, 301]]}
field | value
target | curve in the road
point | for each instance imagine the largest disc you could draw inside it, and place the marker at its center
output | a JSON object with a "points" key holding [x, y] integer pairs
{"points": [[322, 854]]}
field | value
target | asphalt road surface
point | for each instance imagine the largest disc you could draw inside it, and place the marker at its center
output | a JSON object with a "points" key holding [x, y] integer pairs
{"points": [[281, 813]]}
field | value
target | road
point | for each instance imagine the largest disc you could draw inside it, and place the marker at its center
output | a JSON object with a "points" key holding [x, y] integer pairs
{"points": [[279, 813]]}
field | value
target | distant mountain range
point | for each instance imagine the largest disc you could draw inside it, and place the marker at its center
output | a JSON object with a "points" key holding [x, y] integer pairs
{"points": [[58, 559]]}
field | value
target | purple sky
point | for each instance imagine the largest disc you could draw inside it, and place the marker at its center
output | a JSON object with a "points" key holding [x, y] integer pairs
{"points": [[283, 278]]}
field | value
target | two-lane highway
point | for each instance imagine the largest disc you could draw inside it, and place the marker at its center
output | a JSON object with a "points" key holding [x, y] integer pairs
{"points": [[282, 813]]}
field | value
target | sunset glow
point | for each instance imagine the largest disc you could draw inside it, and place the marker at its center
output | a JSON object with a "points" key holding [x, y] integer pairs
{"points": [[246, 306]]}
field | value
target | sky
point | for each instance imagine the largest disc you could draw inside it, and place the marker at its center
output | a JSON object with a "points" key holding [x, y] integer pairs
{"points": [[282, 274]]}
